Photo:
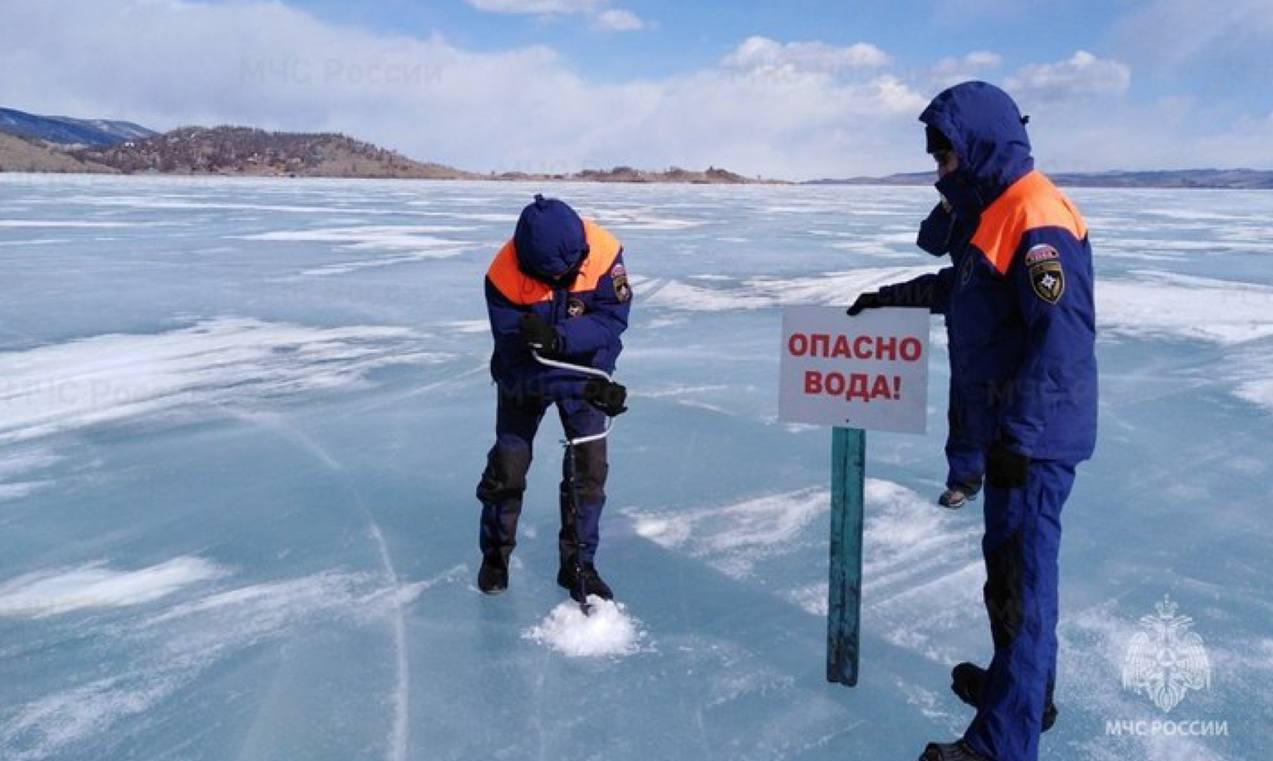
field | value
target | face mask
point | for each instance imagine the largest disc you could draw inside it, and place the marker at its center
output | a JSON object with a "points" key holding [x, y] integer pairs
{"points": [[935, 231]]}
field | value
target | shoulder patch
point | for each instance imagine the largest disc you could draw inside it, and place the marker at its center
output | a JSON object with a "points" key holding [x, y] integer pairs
{"points": [[1048, 280], [1040, 253]]}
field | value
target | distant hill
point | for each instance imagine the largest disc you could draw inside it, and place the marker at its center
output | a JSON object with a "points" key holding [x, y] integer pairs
{"points": [[19, 154], [250, 151], [626, 174], [65, 131], [1232, 179], [34, 143]]}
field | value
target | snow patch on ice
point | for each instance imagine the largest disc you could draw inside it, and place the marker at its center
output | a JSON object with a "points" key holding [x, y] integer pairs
{"points": [[412, 243], [764, 292], [609, 631], [812, 599], [665, 532], [644, 219], [52, 722], [1167, 305], [55, 223], [25, 461], [467, 326], [223, 361], [48, 593], [34, 242], [181, 642], [676, 390], [369, 237], [1258, 392], [17, 466], [472, 216], [343, 268], [20, 489], [144, 202], [1093, 645], [922, 571], [733, 538]]}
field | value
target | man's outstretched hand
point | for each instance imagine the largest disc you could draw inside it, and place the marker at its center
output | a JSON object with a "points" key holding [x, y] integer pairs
{"points": [[607, 396], [539, 335], [868, 300]]}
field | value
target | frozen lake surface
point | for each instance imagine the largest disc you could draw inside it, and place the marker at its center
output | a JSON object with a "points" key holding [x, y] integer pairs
{"points": [[241, 423]]}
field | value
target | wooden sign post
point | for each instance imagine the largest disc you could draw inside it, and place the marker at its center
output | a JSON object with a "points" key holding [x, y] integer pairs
{"points": [[844, 588], [869, 372]]}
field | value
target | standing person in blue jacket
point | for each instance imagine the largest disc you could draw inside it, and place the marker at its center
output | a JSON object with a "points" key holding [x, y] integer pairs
{"points": [[1022, 348], [558, 288]]}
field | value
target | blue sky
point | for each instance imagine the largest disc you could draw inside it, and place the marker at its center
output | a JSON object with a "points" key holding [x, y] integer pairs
{"points": [[683, 36], [800, 88]]}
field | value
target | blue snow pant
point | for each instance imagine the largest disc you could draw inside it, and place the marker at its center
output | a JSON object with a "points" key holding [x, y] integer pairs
{"points": [[504, 480], [1021, 545], [965, 445]]}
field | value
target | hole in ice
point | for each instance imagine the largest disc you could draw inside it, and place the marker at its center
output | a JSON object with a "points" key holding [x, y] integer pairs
{"points": [[610, 630]]}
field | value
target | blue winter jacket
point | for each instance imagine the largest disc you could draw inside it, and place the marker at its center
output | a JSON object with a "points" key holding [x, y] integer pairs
{"points": [[1019, 305], [589, 316]]}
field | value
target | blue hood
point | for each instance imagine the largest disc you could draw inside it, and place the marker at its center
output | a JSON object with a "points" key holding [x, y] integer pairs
{"points": [[550, 239], [988, 134]]}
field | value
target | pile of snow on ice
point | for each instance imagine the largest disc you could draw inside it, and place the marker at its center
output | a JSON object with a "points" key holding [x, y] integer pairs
{"points": [[608, 631]]}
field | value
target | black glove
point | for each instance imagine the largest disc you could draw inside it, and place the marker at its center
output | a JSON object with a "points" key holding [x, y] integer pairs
{"points": [[607, 396], [868, 300], [539, 335], [896, 295], [1005, 468]]}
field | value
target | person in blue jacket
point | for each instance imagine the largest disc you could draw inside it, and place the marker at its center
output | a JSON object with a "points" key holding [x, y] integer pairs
{"points": [[560, 288], [944, 232], [1022, 350]]}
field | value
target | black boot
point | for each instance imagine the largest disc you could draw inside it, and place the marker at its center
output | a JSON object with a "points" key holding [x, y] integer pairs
{"points": [[492, 577], [966, 682], [956, 751], [588, 582]]}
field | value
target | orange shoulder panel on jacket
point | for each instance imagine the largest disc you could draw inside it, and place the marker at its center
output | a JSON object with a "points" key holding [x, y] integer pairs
{"points": [[1029, 203], [524, 290], [603, 249], [508, 279]]}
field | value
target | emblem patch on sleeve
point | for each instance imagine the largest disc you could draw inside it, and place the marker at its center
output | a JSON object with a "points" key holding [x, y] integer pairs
{"points": [[619, 276], [1048, 280], [576, 307], [1040, 253]]}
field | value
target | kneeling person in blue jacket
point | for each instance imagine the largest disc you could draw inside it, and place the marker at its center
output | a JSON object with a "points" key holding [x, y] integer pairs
{"points": [[559, 289]]}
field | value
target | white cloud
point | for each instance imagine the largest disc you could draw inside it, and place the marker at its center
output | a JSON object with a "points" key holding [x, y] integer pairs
{"points": [[603, 17], [978, 60], [1180, 32], [794, 110], [766, 56], [951, 71], [620, 20], [1163, 134], [983, 59], [535, 7], [1081, 76]]}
